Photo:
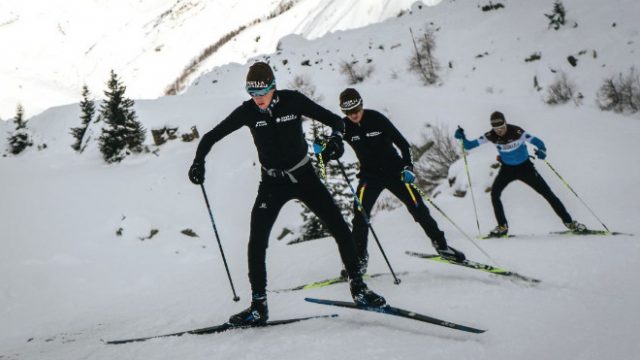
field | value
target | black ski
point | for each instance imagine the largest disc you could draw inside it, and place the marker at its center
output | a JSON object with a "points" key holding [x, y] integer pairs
{"points": [[475, 265], [390, 310], [336, 280], [589, 232], [220, 328], [565, 232]]}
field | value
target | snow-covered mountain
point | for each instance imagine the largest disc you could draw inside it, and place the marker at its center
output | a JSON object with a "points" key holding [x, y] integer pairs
{"points": [[52, 48], [68, 280]]}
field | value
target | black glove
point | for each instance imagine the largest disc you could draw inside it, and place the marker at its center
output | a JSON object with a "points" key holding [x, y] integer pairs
{"points": [[334, 148], [196, 172], [459, 134]]}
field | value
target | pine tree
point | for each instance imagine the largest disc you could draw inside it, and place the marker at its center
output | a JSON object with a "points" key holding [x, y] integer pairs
{"points": [[20, 138], [122, 133], [557, 16], [88, 109]]}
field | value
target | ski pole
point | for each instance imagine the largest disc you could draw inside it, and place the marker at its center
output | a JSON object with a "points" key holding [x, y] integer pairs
{"points": [[424, 195], [215, 230], [473, 198], [576, 194], [367, 220]]}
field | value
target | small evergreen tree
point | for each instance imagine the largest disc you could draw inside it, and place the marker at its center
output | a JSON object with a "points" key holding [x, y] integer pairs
{"points": [[88, 109], [20, 139], [557, 16], [122, 133]]}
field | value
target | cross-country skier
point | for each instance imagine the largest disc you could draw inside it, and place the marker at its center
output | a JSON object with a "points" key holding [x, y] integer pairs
{"points": [[510, 140], [274, 118], [372, 136]]}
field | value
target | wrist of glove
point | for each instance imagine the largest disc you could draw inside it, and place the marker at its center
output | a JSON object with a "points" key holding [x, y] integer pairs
{"points": [[407, 175], [196, 172], [541, 153]]}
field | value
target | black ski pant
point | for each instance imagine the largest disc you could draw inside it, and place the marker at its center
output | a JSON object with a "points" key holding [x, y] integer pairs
{"points": [[273, 193], [369, 189], [528, 174]]}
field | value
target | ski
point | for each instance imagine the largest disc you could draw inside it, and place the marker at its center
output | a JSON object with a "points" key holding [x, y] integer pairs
{"points": [[390, 310], [565, 232], [218, 329], [589, 232], [336, 280], [489, 236], [475, 265]]}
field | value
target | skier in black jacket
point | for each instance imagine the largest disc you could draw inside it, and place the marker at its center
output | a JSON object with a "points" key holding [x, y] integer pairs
{"points": [[274, 118], [372, 136]]}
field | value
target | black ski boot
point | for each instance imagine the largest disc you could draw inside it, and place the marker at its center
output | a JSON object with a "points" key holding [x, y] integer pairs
{"points": [[362, 296], [447, 252], [256, 314]]}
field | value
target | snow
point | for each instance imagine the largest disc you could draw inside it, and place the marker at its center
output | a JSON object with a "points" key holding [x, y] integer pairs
{"points": [[67, 281], [53, 48]]}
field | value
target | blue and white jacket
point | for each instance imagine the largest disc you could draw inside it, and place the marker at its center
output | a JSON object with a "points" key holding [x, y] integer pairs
{"points": [[511, 146]]}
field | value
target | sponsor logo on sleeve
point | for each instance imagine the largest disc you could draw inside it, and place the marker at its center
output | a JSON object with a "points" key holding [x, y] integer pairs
{"points": [[374, 133]]}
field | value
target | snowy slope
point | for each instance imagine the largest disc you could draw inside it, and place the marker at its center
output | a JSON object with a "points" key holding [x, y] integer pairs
{"points": [[67, 281], [53, 47]]}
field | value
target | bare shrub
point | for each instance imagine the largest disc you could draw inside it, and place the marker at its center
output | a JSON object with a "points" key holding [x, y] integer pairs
{"points": [[561, 91], [423, 62], [621, 93], [433, 156], [355, 74], [304, 85]]}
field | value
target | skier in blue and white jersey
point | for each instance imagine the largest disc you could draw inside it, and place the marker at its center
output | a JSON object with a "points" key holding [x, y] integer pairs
{"points": [[510, 140]]}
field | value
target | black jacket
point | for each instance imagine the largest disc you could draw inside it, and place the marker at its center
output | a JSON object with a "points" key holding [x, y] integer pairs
{"points": [[277, 132], [372, 140]]}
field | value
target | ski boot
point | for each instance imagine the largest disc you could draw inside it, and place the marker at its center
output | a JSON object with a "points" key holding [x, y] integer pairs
{"points": [[499, 231], [256, 314], [362, 296], [451, 254], [576, 227]]}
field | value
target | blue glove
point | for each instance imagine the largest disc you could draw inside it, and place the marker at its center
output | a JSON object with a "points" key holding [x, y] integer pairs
{"points": [[317, 148], [541, 153], [459, 134], [408, 177]]}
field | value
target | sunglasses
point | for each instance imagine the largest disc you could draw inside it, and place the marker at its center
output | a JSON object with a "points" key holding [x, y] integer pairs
{"points": [[261, 91], [355, 110]]}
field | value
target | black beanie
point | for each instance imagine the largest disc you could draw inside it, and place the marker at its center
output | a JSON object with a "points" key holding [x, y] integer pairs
{"points": [[497, 119], [259, 76], [350, 99]]}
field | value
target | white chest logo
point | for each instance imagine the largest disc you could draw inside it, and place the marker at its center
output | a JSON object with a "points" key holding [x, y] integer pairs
{"points": [[355, 138], [510, 146], [286, 118], [261, 123], [375, 133]]}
